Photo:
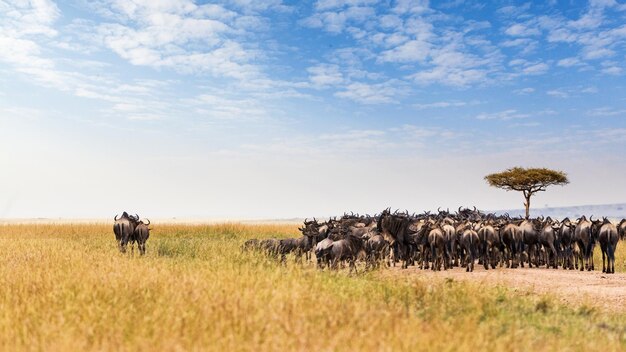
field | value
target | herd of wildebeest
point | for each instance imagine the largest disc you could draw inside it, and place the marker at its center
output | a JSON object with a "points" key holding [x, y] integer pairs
{"points": [[448, 239]]}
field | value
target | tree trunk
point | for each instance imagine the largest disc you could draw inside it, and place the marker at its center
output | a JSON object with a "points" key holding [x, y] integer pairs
{"points": [[527, 203]]}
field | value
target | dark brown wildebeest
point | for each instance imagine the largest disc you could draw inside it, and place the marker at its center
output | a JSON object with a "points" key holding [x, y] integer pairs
{"points": [[124, 229], [438, 250], [395, 229], [608, 238], [141, 235], [489, 237], [469, 243], [513, 244], [547, 238], [451, 242], [298, 246], [347, 249], [270, 246], [586, 242], [530, 230], [621, 229], [376, 249], [322, 254], [566, 242]]}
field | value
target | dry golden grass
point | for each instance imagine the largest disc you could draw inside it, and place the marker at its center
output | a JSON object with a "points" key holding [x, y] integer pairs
{"points": [[66, 287]]}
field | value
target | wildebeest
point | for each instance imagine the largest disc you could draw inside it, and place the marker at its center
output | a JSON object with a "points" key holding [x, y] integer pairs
{"points": [[124, 229], [395, 229], [347, 249], [547, 238], [489, 237], [586, 241], [566, 241], [607, 237], [621, 229], [376, 249], [513, 244], [141, 235], [469, 242], [530, 230], [438, 250], [298, 246]]}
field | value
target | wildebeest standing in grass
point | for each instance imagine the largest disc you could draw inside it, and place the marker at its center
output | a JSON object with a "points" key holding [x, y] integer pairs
{"points": [[469, 243], [438, 249], [547, 238], [566, 241], [395, 230], [298, 246], [347, 249], [512, 244], [489, 237], [586, 242], [530, 230], [376, 249], [607, 237], [124, 229], [141, 235], [621, 229]]}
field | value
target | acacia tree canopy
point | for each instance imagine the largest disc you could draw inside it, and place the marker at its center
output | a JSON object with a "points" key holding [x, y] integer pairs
{"points": [[528, 181]]}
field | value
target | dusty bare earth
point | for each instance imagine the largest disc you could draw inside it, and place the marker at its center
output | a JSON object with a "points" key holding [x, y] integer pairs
{"points": [[606, 291]]}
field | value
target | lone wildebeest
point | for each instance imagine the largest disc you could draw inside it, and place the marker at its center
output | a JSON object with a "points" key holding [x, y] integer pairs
{"points": [[124, 229], [141, 235]]}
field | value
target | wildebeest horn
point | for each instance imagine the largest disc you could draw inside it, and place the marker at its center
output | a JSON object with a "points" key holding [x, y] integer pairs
{"points": [[591, 218], [475, 208], [136, 217], [439, 209], [115, 218], [148, 220]]}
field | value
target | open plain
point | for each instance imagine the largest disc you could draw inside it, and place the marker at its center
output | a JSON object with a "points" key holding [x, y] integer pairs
{"points": [[66, 287]]}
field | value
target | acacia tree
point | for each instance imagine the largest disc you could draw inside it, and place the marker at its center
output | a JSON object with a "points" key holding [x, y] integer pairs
{"points": [[528, 181]]}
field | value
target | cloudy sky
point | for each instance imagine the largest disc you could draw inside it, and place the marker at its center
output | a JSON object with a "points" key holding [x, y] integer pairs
{"points": [[256, 109]]}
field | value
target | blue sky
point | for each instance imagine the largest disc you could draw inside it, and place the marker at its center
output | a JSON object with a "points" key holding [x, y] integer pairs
{"points": [[243, 109]]}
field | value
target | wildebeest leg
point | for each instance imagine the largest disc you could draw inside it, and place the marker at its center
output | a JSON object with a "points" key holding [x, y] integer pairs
{"points": [[603, 249], [486, 257], [612, 256]]}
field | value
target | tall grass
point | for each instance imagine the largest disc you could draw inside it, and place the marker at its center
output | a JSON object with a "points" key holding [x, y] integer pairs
{"points": [[66, 287]]}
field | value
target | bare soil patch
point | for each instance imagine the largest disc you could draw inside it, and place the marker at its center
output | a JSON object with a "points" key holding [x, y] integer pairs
{"points": [[606, 291]]}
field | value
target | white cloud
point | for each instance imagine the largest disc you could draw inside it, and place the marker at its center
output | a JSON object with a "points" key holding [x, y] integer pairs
{"points": [[414, 50], [325, 75], [502, 115], [523, 91], [521, 30], [183, 36], [337, 21], [536, 69], [569, 62], [379, 93], [411, 6], [557, 93], [606, 111], [444, 104], [612, 70]]}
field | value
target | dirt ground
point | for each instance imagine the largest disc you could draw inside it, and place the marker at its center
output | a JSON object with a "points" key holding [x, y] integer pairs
{"points": [[606, 291]]}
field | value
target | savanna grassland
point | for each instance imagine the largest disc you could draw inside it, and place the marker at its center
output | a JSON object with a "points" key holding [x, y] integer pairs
{"points": [[66, 287]]}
